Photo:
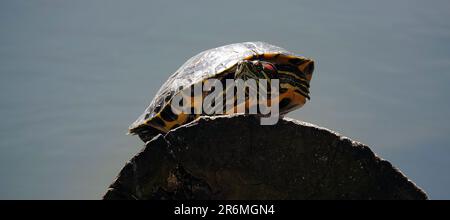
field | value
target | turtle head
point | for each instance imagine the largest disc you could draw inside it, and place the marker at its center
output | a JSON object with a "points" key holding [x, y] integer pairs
{"points": [[255, 69]]}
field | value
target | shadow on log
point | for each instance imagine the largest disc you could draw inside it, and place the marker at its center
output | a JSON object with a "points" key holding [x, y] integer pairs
{"points": [[233, 157]]}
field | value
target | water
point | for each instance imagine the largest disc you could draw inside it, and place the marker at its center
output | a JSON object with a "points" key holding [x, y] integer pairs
{"points": [[75, 74]]}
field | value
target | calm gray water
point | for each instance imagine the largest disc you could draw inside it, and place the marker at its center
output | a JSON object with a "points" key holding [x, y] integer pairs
{"points": [[75, 74]]}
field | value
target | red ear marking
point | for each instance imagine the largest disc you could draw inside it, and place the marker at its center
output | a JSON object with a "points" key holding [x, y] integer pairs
{"points": [[268, 66]]}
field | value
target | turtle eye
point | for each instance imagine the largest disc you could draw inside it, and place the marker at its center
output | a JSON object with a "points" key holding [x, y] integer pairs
{"points": [[257, 64]]}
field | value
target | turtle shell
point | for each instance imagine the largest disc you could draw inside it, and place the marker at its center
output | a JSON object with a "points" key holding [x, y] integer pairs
{"points": [[204, 65]]}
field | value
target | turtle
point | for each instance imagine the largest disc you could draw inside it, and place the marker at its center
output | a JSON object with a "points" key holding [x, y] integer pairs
{"points": [[239, 60]]}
